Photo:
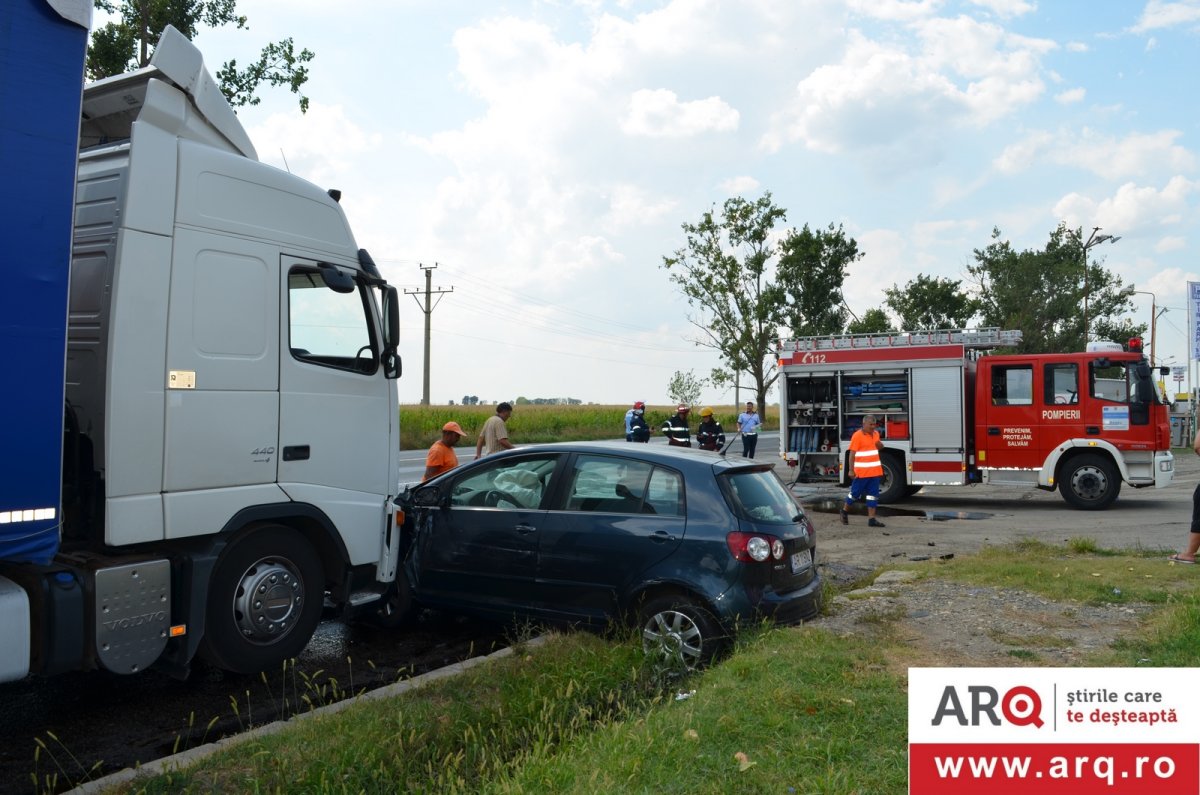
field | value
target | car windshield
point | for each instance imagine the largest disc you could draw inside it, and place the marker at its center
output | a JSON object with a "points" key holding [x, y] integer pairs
{"points": [[758, 495]]}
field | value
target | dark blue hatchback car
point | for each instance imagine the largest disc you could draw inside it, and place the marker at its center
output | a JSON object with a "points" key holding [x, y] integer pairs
{"points": [[686, 543]]}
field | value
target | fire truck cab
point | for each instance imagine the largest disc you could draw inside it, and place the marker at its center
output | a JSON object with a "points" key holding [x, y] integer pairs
{"points": [[949, 414]]}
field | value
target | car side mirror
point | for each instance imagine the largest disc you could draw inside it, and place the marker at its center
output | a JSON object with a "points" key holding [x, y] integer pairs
{"points": [[427, 497]]}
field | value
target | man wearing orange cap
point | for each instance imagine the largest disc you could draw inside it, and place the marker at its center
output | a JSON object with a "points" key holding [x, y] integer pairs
{"points": [[442, 457]]}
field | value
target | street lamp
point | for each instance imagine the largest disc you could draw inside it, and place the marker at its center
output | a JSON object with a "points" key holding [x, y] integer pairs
{"points": [[1093, 240], [1155, 314]]}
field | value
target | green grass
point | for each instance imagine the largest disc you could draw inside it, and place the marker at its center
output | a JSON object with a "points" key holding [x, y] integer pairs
{"points": [[1096, 577], [792, 709], [420, 426]]}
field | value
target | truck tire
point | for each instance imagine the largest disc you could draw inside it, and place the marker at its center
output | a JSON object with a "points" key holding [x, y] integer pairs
{"points": [[1089, 482], [264, 601], [892, 488]]}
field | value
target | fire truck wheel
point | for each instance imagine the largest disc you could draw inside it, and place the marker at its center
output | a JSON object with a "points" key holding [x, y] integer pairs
{"points": [[892, 488], [264, 601], [1089, 482]]}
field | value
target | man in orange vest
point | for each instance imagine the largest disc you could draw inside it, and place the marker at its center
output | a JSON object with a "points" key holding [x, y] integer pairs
{"points": [[866, 470]]}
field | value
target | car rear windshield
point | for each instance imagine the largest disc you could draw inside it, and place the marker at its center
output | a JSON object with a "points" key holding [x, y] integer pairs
{"points": [[758, 495]]}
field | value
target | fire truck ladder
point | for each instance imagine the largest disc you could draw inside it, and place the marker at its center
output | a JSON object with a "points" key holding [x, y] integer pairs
{"points": [[971, 339]]}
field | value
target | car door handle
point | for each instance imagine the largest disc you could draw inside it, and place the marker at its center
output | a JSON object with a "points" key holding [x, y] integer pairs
{"points": [[659, 536], [525, 529], [1092, 430], [993, 431]]}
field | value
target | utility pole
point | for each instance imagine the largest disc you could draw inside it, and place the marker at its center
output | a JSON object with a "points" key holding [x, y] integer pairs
{"points": [[428, 310]]}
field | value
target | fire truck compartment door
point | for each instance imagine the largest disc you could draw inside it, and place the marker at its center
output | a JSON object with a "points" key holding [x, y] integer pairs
{"points": [[937, 408]]}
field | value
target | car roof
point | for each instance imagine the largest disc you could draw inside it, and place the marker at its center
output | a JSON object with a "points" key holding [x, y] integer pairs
{"points": [[660, 454]]}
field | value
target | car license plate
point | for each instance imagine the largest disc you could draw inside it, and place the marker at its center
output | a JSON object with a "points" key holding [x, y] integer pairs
{"points": [[801, 560]]}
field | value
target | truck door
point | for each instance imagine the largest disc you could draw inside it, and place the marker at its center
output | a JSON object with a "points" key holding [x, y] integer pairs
{"points": [[336, 409], [1005, 435], [1061, 415]]}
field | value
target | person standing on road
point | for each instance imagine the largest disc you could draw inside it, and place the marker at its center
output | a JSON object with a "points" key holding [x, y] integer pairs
{"points": [[1193, 545], [866, 470], [629, 419], [494, 436], [676, 428], [639, 431], [748, 424], [441, 457], [710, 435]]}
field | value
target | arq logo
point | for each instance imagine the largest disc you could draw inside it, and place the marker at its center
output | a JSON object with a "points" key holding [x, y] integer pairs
{"points": [[1021, 706]]}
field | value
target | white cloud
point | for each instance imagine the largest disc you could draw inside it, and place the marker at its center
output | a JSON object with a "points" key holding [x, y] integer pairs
{"points": [[632, 205], [1134, 155], [658, 113], [739, 186], [895, 10], [1170, 243], [1070, 96], [1132, 210], [903, 100], [1076, 46], [319, 145], [1158, 14], [1007, 8]]}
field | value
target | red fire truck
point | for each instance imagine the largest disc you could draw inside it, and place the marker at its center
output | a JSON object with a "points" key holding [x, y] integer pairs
{"points": [[950, 414]]}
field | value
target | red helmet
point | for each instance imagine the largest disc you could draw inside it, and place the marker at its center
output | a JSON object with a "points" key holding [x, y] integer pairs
{"points": [[639, 405], [683, 408]]}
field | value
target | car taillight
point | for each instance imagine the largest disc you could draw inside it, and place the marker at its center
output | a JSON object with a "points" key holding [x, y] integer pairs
{"points": [[754, 548]]}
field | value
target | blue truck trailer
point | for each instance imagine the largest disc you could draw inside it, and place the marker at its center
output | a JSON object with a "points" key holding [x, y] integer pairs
{"points": [[200, 446]]}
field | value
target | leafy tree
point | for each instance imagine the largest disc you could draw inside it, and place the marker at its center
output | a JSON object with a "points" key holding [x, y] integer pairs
{"points": [[685, 387], [1041, 293], [723, 273], [928, 303], [126, 44], [745, 289], [873, 321], [812, 268]]}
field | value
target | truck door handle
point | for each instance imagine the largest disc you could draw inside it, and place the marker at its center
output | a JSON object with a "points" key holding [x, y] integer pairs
{"points": [[659, 536], [993, 431], [525, 529], [296, 452], [1092, 430]]}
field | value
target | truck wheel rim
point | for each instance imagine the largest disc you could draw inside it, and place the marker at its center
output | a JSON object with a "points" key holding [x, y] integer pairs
{"points": [[673, 636], [1089, 483], [268, 601]]}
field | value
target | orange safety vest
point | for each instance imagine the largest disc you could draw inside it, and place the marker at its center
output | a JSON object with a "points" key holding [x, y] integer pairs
{"points": [[866, 456]]}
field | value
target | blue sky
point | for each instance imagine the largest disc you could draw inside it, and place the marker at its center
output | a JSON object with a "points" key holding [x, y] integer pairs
{"points": [[544, 155]]}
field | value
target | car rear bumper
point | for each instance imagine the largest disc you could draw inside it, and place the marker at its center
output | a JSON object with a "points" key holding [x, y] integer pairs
{"points": [[789, 607]]}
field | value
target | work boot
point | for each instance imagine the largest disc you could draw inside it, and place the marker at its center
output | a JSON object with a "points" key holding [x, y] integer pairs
{"points": [[873, 522], [845, 517]]}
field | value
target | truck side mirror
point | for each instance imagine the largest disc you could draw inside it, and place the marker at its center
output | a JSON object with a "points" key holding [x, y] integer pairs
{"points": [[335, 279], [391, 333]]}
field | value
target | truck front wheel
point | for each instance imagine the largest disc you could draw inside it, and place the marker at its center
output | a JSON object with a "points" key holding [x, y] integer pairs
{"points": [[1089, 482], [264, 601]]}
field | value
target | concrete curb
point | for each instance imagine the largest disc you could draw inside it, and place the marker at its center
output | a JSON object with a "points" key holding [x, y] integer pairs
{"points": [[184, 759]]}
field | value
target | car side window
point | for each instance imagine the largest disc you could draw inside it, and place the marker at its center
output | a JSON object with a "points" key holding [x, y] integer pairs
{"points": [[514, 484], [665, 494], [609, 484]]}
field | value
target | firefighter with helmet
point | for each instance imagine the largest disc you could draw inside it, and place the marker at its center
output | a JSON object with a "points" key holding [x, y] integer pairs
{"points": [[710, 435], [676, 428], [639, 431]]}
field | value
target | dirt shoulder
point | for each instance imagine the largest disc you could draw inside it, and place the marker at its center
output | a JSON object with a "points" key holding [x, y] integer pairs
{"points": [[951, 623], [947, 623]]}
